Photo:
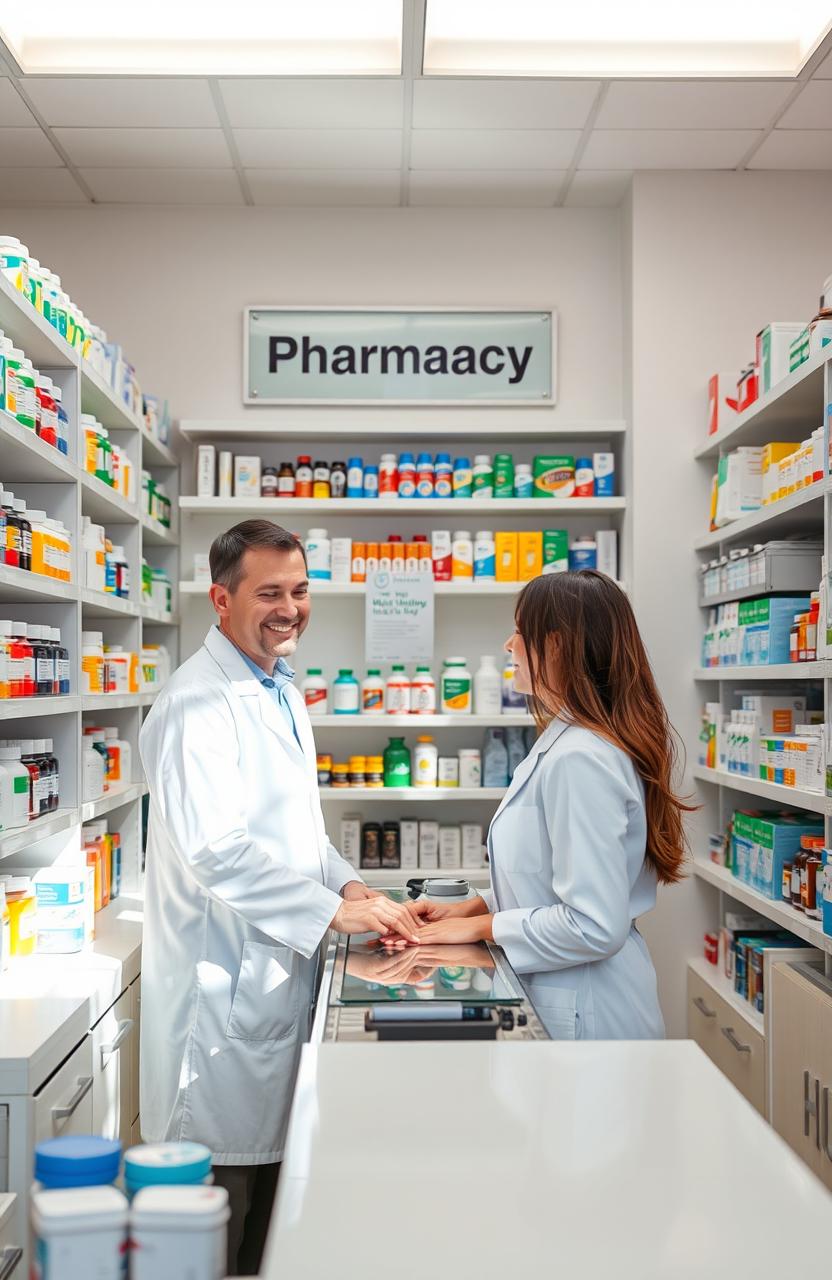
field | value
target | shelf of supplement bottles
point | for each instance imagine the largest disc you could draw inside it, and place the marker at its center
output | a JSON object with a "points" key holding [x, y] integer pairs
{"points": [[118, 794], [345, 423], [794, 405], [379, 723], [784, 916], [744, 593], [16, 839], [403, 506], [796, 514], [43, 345], [100, 604], [99, 400], [103, 504], [25, 708], [776, 671], [155, 534], [395, 877], [712, 975], [26, 459], [459, 588], [156, 454], [394, 794], [814, 801], [22, 586], [158, 618]]}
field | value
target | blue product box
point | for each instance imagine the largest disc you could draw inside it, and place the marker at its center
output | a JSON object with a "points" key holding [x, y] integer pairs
{"points": [[766, 624]]}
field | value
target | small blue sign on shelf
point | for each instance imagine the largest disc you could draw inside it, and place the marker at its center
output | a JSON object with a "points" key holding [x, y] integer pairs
{"points": [[385, 356]]}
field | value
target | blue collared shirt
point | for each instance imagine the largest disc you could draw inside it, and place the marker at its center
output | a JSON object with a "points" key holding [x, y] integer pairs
{"points": [[281, 676]]}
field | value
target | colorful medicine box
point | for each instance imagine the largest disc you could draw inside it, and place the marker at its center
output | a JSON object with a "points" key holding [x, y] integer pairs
{"points": [[553, 476], [765, 625], [505, 554], [529, 555], [777, 841], [555, 550], [773, 348]]}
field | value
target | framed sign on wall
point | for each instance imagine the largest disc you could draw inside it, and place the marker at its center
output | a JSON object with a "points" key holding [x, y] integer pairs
{"points": [[396, 356]]}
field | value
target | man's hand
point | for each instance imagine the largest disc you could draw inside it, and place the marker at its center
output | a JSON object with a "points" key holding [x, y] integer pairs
{"points": [[375, 913], [356, 890]]}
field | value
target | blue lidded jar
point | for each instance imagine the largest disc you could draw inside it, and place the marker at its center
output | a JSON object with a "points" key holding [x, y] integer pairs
{"points": [[371, 482], [166, 1164], [77, 1161]]}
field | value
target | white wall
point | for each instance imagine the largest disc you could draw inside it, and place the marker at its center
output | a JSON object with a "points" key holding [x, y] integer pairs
{"points": [[714, 258]]}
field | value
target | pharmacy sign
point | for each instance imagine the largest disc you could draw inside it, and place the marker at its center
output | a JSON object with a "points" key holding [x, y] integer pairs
{"points": [[384, 356]]}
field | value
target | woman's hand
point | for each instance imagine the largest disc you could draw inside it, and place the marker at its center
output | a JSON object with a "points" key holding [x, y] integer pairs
{"points": [[455, 929], [425, 909]]}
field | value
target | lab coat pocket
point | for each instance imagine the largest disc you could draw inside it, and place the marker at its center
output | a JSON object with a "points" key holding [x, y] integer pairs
{"points": [[557, 1008], [518, 839], [265, 1004]]}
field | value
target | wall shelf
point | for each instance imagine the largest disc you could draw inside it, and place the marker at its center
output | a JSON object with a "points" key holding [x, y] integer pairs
{"points": [[35, 336], [103, 504], [16, 839], [394, 795], [156, 454], [417, 722], [785, 917], [24, 586], [29, 460], [774, 671], [800, 513], [157, 618], [345, 423], [101, 604], [119, 793], [100, 400], [384, 507], [814, 801], [109, 701], [156, 534], [26, 708]]}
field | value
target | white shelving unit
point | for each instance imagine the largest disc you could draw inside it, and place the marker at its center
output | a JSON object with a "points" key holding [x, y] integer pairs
{"points": [[470, 619], [781, 671], [47, 479], [717, 981], [812, 801], [783, 916]]}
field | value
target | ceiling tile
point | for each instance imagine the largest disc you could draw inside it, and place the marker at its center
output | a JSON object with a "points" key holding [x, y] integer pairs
{"points": [[502, 104], [331, 187], [123, 102], [667, 148], [164, 186], [676, 104], [13, 110], [27, 148], [40, 186], [319, 148], [313, 104], [595, 188], [145, 148], [812, 109], [511, 189], [493, 149], [795, 149]]}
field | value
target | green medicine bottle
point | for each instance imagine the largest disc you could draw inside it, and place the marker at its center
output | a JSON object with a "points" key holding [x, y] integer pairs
{"points": [[396, 764], [503, 475]]}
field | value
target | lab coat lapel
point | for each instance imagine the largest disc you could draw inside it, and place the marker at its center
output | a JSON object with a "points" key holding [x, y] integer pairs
{"points": [[246, 685], [526, 767]]}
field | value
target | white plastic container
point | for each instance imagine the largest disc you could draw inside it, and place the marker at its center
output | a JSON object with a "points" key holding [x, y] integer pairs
{"points": [[470, 767], [462, 556], [423, 693], [121, 756], [80, 1232], [315, 692], [372, 694], [341, 560], [62, 909], [93, 772], [488, 688], [425, 762], [485, 557], [178, 1232], [319, 555], [456, 687], [14, 789], [92, 662], [397, 692]]}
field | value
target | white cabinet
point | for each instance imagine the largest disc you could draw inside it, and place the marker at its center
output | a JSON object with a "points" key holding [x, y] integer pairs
{"points": [[801, 1064], [112, 1037], [64, 1104], [134, 1055], [11, 1239]]}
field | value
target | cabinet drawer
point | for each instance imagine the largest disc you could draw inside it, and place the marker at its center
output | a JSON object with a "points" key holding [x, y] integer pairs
{"points": [[801, 1067], [111, 1037], [64, 1104], [737, 1048], [134, 1049]]}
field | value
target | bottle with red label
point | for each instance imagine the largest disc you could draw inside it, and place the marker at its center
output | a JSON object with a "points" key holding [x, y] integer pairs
{"points": [[303, 476], [316, 692], [388, 476], [584, 478]]}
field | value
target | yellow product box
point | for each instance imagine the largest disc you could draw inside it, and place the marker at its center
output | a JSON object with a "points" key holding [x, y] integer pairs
{"points": [[773, 454], [505, 554], [529, 555]]}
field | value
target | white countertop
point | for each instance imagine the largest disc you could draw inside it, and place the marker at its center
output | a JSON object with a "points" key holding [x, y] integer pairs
{"points": [[586, 1160], [48, 1003]]}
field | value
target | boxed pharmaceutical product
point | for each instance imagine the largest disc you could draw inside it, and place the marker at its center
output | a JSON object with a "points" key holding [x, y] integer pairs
{"points": [[428, 846], [773, 344], [473, 854], [351, 839], [606, 541], [773, 454], [722, 401], [450, 848], [555, 550], [409, 837], [505, 554], [777, 838], [206, 471], [341, 559], [765, 625], [776, 713], [246, 476], [739, 484], [529, 555], [603, 468], [799, 350], [202, 567]]}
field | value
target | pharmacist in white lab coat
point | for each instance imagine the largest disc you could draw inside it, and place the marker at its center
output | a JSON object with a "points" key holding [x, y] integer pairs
{"points": [[590, 823], [242, 883]]}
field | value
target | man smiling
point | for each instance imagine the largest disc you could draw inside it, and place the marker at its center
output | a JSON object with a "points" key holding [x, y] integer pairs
{"points": [[242, 882]]}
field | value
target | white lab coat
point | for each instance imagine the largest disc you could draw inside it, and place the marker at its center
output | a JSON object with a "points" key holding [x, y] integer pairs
{"points": [[241, 886], [569, 880]]}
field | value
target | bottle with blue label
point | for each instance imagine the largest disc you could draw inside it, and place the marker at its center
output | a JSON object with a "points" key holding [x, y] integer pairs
{"points": [[485, 557], [355, 478], [346, 693], [463, 478], [424, 476], [371, 482], [443, 484], [523, 480], [407, 476]]}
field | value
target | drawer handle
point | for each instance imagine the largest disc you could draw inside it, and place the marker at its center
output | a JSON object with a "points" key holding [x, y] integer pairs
{"points": [[825, 1138], [84, 1086], [728, 1032], [124, 1030], [9, 1259], [703, 1008], [811, 1107]]}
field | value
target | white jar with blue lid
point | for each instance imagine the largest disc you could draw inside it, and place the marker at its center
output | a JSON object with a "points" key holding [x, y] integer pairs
{"points": [[166, 1164], [77, 1161]]}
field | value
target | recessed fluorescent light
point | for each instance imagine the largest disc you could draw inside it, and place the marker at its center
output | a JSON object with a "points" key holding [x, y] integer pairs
{"points": [[609, 38], [183, 37]]}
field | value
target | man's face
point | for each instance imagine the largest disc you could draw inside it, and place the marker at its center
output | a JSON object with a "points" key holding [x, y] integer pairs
{"points": [[268, 611]]}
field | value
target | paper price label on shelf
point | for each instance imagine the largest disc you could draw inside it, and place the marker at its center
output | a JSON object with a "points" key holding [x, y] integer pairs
{"points": [[398, 617]]}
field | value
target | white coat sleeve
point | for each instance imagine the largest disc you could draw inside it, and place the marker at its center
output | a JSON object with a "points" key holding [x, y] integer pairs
{"points": [[189, 753], [338, 870], [585, 802]]}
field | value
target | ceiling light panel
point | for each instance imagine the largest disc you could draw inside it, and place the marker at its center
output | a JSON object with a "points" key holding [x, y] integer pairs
{"points": [[249, 37], [606, 38]]}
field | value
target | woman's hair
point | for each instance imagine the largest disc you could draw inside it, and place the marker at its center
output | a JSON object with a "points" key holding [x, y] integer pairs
{"points": [[599, 677]]}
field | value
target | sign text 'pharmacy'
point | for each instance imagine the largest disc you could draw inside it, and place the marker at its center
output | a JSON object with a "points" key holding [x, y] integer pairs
{"points": [[378, 356]]}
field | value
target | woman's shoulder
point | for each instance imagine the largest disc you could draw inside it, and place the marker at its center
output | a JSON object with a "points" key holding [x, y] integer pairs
{"points": [[579, 746]]}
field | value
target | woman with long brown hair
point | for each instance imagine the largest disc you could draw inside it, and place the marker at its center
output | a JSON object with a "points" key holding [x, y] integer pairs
{"points": [[590, 824]]}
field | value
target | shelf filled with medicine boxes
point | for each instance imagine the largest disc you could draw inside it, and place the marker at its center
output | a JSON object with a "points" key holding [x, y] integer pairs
{"points": [[85, 576], [253, 462], [765, 676]]}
